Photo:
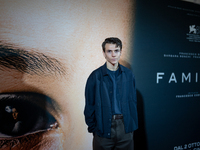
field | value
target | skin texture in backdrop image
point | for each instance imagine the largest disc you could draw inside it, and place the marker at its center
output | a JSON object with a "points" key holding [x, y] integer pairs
{"points": [[48, 49]]}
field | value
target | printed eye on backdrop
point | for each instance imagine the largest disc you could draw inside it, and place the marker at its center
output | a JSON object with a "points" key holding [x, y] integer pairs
{"points": [[25, 113]]}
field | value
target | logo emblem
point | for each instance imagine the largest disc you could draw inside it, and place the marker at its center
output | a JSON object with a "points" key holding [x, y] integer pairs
{"points": [[192, 29]]}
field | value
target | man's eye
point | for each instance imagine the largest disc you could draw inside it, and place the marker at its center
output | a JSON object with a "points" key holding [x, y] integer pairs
{"points": [[24, 113]]}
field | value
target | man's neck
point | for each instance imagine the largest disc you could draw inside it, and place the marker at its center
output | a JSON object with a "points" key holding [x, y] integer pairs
{"points": [[112, 67]]}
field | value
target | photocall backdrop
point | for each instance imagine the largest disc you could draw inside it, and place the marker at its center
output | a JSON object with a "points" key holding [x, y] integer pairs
{"points": [[48, 49], [166, 62]]}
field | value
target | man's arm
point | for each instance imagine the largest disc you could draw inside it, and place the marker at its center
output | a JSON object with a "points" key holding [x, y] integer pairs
{"points": [[89, 111], [134, 107], [134, 92]]}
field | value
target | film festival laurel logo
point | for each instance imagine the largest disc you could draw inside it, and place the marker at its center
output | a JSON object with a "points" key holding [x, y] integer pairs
{"points": [[194, 33]]}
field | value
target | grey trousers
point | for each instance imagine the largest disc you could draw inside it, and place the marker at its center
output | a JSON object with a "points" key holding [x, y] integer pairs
{"points": [[119, 139]]}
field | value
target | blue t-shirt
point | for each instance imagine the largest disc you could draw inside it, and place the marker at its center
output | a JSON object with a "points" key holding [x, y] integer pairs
{"points": [[116, 109]]}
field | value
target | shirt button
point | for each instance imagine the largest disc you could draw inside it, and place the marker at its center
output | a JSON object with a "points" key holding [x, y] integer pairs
{"points": [[110, 91], [108, 133]]}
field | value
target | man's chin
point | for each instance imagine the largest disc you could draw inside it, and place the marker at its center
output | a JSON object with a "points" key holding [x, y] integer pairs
{"points": [[114, 63]]}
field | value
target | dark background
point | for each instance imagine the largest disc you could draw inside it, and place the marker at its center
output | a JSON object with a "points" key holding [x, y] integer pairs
{"points": [[166, 122]]}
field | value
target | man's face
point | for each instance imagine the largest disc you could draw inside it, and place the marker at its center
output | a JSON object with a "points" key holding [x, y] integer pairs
{"points": [[48, 50], [14, 113], [112, 53]]}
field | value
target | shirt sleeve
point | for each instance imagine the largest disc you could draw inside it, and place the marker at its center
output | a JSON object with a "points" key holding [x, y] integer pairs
{"points": [[134, 91], [134, 106], [89, 110]]}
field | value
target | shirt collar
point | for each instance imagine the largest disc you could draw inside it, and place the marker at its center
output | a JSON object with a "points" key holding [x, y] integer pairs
{"points": [[104, 69]]}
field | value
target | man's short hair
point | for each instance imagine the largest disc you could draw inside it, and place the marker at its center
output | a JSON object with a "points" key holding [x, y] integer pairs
{"points": [[112, 40]]}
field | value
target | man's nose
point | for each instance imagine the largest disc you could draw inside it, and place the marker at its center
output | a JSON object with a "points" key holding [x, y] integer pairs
{"points": [[113, 54]]}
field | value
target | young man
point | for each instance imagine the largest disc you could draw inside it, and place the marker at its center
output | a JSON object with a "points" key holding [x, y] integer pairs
{"points": [[111, 104]]}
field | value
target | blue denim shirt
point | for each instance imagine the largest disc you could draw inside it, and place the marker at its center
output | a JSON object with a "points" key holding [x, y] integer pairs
{"points": [[98, 94]]}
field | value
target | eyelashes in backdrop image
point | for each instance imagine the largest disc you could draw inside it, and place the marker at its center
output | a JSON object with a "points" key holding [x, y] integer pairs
{"points": [[25, 114]]}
